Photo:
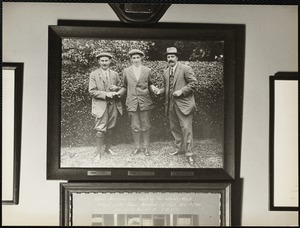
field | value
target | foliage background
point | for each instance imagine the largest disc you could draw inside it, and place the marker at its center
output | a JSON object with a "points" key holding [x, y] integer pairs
{"points": [[78, 61]]}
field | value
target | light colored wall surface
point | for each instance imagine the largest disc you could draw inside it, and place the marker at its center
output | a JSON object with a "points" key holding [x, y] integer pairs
{"points": [[271, 46]]}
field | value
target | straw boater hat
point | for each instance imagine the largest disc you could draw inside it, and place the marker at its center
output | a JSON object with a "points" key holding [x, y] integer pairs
{"points": [[103, 54], [136, 52], [172, 51]]}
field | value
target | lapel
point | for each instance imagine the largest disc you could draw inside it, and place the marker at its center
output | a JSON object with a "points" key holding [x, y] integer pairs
{"points": [[143, 71], [167, 71], [131, 73], [102, 76], [110, 77], [177, 72]]}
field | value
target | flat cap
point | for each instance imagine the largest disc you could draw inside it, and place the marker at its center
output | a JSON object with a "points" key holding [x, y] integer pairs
{"points": [[136, 52], [103, 54]]}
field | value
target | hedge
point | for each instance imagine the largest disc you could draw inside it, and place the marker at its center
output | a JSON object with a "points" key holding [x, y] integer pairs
{"points": [[77, 122]]}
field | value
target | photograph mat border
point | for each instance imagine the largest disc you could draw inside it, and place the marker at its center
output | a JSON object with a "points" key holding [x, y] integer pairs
{"points": [[67, 190]]}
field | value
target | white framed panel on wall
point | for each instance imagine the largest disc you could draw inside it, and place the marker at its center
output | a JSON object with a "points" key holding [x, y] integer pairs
{"points": [[284, 141], [12, 88]]}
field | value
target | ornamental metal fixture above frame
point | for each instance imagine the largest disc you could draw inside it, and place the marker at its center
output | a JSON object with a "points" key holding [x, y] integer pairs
{"points": [[139, 13]]}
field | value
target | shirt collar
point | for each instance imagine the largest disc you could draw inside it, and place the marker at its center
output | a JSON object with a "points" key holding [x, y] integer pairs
{"points": [[105, 71], [137, 68], [174, 67]]}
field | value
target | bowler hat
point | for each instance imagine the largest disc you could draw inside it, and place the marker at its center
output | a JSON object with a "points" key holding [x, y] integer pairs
{"points": [[172, 51], [103, 54], [136, 52]]}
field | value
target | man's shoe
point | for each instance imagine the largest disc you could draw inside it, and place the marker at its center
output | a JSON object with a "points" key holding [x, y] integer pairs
{"points": [[146, 152], [135, 152], [109, 151], [191, 160], [176, 152]]}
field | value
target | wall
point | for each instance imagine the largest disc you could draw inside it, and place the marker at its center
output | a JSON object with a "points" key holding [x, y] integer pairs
{"points": [[271, 46]]}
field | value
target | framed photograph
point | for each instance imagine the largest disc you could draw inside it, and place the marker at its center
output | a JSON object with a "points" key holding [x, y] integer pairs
{"points": [[284, 150], [12, 93], [196, 139], [145, 204]]}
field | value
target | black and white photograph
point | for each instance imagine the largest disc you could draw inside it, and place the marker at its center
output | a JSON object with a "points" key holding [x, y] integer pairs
{"points": [[121, 106], [94, 204]]}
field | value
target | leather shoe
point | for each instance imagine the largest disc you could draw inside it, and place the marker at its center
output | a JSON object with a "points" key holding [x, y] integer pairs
{"points": [[176, 152], [135, 152], [146, 152], [109, 151], [191, 160]]}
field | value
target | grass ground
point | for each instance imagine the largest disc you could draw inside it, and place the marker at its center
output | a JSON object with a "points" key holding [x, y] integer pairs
{"points": [[207, 154]]}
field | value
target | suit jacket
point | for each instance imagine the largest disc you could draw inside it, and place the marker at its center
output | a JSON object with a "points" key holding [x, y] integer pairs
{"points": [[184, 80], [99, 87], [138, 93]]}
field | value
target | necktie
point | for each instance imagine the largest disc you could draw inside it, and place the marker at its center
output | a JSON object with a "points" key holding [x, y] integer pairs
{"points": [[106, 76], [171, 82], [171, 78]]}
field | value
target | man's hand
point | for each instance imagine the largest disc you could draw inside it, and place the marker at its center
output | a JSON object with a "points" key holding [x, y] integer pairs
{"points": [[177, 93], [110, 95], [114, 88], [154, 89]]}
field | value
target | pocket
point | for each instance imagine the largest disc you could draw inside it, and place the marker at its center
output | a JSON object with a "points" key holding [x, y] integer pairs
{"points": [[143, 86]]}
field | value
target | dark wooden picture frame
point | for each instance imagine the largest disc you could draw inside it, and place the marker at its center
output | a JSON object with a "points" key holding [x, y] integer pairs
{"points": [[17, 69], [173, 193], [234, 39], [282, 171]]}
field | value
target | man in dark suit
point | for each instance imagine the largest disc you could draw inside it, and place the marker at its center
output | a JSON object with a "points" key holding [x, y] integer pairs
{"points": [[137, 84], [106, 104], [180, 83]]}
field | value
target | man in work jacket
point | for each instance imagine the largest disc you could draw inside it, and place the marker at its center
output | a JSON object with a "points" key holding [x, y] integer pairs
{"points": [[106, 104], [137, 84], [180, 82]]}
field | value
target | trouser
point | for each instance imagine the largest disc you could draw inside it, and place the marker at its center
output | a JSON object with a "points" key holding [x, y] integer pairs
{"points": [[141, 139], [105, 127], [109, 118], [140, 126], [181, 128], [99, 143], [109, 138]]}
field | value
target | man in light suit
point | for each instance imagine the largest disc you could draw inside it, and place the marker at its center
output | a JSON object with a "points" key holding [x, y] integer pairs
{"points": [[180, 105], [137, 84], [106, 104]]}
